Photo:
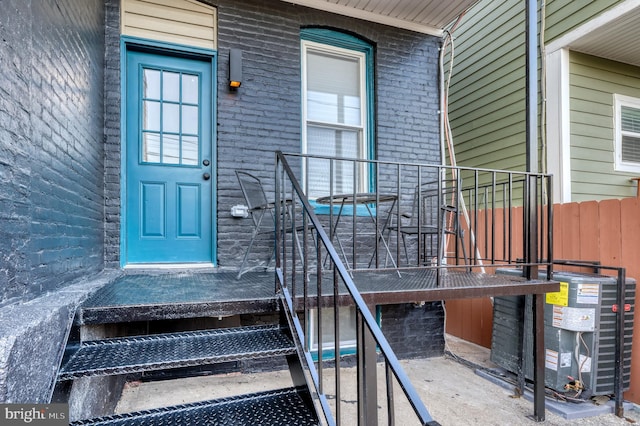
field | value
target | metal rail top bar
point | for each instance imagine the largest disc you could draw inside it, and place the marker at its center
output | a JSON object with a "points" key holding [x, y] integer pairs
{"points": [[411, 164]]}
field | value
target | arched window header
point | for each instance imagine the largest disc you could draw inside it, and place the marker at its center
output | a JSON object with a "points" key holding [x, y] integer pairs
{"points": [[336, 38]]}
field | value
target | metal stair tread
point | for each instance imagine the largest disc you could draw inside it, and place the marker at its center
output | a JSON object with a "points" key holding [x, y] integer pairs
{"points": [[172, 350], [276, 408]]}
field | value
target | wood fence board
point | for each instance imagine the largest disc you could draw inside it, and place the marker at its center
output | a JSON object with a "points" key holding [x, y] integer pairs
{"points": [[570, 227], [589, 237], [610, 233], [471, 320], [558, 219], [486, 307], [630, 225], [456, 321]]}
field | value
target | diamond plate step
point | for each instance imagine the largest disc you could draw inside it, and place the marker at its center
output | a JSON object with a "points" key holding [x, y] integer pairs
{"points": [[174, 350], [283, 407]]}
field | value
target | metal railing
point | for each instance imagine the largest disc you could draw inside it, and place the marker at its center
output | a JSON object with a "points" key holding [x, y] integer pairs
{"points": [[327, 289], [337, 216], [424, 215]]}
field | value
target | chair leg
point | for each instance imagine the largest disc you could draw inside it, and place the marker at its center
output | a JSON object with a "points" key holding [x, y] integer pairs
{"points": [[246, 256], [406, 252]]}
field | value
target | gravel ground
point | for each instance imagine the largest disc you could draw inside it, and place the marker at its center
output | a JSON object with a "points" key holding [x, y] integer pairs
{"points": [[453, 392]]}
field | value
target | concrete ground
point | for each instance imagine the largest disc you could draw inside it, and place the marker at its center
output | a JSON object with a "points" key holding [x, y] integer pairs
{"points": [[452, 391]]}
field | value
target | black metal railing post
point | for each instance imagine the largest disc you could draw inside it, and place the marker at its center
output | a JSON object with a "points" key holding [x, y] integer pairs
{"points": [[367, 381], [618, 379]]}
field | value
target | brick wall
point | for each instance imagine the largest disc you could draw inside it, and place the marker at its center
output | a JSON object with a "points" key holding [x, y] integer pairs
{"points": [[264, 114], [414, 330], [112, 134], [51, 152]]}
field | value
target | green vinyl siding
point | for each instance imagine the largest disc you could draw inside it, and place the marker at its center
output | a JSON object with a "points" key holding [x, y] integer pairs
{"points": [[565, 15], [486, 103], [594, 81]]}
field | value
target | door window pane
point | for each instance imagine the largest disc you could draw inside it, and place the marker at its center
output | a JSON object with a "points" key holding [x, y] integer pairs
{"points": [[170, 149], [170, 118], [151, 115], [190, 119], [151, 84], [190, 88], [150, 147], [190, 150], [170, 86]]}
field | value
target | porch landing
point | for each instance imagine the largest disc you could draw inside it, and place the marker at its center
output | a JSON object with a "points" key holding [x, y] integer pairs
{"points": [[153, 296]]}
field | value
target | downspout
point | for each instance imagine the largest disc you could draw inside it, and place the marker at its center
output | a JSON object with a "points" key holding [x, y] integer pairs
{"points": [[531, 246], [446, 136]]}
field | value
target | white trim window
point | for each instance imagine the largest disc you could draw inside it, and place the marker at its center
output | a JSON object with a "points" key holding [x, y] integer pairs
{"points": [[334, 114], [627, 133]]}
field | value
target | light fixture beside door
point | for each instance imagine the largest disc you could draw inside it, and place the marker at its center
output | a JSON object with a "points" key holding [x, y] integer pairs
{"points": [[235, 68]]}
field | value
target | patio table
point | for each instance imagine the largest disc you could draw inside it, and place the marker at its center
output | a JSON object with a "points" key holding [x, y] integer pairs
{"points": [[365, 199]]}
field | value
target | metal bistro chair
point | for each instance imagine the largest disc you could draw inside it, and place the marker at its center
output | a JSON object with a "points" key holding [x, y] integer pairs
{"points": [[434, 218], [262, 214]]}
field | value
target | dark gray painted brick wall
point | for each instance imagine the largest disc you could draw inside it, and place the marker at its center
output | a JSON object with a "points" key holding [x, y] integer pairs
{"points": [[112, 134], [414, 330], [51, 144], [264, 114]]}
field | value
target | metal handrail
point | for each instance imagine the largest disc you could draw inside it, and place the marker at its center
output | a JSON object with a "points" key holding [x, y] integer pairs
{"points": [[369, 334]]}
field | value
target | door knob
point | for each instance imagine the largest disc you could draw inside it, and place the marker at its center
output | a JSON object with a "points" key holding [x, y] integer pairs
{"points": [[206, 176], [205, 163]]}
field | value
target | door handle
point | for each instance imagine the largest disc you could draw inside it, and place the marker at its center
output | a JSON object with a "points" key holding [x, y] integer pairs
{"points": [[205, 163], [206, 176]]}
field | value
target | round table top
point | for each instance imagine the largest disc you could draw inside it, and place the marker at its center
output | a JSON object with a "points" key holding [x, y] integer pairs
{"points": [[360, 198]]}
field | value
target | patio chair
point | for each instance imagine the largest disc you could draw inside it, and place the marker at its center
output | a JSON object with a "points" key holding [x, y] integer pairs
{"points": [[433, 219], [262, 215]]}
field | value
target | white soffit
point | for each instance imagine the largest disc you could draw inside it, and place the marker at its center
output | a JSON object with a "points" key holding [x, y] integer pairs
{"points": [[614, 35], [424, 16]]}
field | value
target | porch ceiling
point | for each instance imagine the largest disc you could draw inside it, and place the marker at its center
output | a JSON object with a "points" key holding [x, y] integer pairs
{"points": [[424, 16], [616, 39]]}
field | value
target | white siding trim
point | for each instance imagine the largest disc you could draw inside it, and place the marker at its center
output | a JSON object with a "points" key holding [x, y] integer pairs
{"points": [[557, 90], [618, 102], [185, 22], [558, 124], [600, 21]]}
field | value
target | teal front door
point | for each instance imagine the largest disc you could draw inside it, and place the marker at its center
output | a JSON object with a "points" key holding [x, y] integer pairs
{"points": [[169, 159]]}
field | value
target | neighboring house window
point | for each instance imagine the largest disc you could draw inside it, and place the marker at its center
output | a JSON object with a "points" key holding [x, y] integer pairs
{"points": [[627, 128], [336, 109]]}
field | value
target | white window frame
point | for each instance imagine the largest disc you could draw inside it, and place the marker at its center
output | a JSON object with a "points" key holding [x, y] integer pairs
{"points": [[619, 102], [307, 45], [347, 346]]}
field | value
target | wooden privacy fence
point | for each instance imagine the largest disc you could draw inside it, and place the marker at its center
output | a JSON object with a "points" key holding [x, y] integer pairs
{"points": [[606, 231]]}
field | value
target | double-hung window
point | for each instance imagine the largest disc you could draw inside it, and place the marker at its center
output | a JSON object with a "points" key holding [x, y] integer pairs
{"points": [[336, 108], [627, 128]]}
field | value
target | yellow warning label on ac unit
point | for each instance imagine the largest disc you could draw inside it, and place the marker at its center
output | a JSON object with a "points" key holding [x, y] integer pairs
{"points": [[560, 298]]}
